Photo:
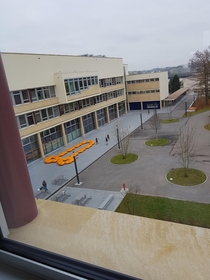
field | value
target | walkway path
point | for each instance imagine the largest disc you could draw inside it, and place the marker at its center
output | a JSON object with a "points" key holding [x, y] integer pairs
{"points": [[148, 171]]}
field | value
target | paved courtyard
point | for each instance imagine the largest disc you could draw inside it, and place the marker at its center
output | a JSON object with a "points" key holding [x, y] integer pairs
{"points": [[148, 172], [104, 238], [153, 163]]}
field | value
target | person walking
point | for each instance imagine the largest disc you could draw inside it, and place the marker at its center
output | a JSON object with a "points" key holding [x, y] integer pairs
{"points": [[96, 140], [44, 186], [106, 139]]}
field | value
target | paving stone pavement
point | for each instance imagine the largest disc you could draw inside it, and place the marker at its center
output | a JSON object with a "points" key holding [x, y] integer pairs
{"points": [[100, 177]]}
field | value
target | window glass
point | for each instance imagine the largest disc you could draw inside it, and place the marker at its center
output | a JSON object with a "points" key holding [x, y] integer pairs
{"points": [[76, 84], [44, 114], [66, 108], [52, 92], [22, 121], [81, 84], [17, 97], [40, 93], [56, 111], [25, 95], [85, 82], [71, 107], [72, 90], [61, 108], [50, 113], [30, 119], [46, 92], [33, 95], [67, 87], [89, 81], [37, 117]]}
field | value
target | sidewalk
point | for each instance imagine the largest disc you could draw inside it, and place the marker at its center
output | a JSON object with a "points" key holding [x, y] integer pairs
{"points": [[40, 171], [102, 175]]}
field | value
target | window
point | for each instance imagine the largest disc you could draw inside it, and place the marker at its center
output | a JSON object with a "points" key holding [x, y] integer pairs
{"points": [[50, 113], [31, 148], [30, 119], [89, 81], [22, 121], [44, 114], [67, 87], [110, 81], [31, 95], [72, 88], [40, 94], [52, 139], [92, 80], [26, 97], [46, 93], [38, 117], [85, 82], [81, 84], [75, 85], [17, 98]]}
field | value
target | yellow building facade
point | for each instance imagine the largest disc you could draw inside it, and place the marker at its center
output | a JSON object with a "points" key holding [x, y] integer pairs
{"points": [[58, 98], [146, 91]]}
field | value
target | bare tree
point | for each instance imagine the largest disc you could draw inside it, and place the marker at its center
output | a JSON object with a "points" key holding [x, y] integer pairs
{"points": [[185, 147], [200, 67], [122, 134], [131, 198], [156, 123]]}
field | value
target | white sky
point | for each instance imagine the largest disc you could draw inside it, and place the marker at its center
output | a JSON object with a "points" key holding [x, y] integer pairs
{"points": [[146, 34]]}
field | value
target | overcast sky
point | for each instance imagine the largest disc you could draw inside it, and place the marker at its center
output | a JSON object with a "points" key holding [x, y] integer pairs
{"points": [[146, 34]]}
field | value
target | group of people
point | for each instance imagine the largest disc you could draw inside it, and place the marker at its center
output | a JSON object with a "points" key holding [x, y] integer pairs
{"points": [[107, 138]]}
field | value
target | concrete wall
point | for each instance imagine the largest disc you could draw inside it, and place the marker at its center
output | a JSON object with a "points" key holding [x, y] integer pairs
{"points": [[36, 70], [163, 79]]}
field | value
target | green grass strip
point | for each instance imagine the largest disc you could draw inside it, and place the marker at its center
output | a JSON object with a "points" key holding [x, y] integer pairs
{"points": [[194, 177], [120, 160], [159, 142], [184, 212], [170, 121]]}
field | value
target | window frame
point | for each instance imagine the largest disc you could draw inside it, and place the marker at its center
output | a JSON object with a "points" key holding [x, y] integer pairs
{"points": [[51, 265]]}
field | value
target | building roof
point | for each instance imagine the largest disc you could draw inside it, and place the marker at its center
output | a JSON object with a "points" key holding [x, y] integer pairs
{"points": [[176, 94]]}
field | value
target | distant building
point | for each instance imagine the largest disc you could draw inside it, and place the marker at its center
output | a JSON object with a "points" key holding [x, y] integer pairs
{"points": [[58, 98], [147, 91]]}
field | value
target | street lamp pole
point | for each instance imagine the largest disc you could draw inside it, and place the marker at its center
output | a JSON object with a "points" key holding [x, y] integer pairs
{"points": [[77, 174], [185, 108], [118, 138], [141, 120]]}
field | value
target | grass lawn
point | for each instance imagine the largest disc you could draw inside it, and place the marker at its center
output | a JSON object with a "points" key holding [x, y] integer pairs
{"points": [[170, 121], [207, 126], [120, 160], [199, 111], [160, 142], [184, 212], [194, 177]]}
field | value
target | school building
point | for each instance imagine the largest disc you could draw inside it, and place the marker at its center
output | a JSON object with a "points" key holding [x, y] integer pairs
{"points": [[147, 91], [58, 98]]}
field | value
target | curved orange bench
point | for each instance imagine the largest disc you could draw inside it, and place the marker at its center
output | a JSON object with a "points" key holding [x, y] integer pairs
{"points": [[60, 160]]}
